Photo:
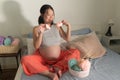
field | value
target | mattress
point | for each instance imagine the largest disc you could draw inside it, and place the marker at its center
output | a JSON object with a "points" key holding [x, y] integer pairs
{"points": [[104, 68]]}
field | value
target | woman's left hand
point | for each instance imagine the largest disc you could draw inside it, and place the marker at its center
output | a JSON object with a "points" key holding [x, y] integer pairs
{"points": [[64, 34], [65, 23]]}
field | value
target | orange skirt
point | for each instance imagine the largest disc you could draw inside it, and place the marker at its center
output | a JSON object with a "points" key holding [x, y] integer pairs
{"points": [[35, 63]]}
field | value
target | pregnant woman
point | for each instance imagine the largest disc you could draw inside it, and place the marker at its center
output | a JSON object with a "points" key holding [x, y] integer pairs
{"points": [[49, 59]]}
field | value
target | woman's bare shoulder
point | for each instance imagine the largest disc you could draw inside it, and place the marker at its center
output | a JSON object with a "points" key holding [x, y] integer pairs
{"points": [[35, 27]]}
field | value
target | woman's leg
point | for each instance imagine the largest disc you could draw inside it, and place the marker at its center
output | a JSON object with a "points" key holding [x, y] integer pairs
{"points": [[51, 75], [34, 64]]}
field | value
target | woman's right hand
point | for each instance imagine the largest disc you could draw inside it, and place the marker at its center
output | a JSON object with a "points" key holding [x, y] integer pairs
{"points": [[37, 35], [41, 28]]}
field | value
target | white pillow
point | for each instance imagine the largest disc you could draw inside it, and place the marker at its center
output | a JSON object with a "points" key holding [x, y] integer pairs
{"points": [[30, 46], [89, 46]]}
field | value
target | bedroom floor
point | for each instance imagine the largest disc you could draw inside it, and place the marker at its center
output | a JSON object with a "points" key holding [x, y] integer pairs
{"points": [[8, 74]]}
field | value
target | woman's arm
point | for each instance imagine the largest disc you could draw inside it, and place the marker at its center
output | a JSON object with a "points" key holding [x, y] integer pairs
{"points": [[37, 36], [65, 35]]}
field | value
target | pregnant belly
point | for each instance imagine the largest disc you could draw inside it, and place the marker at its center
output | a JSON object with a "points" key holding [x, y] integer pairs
{"points": [[51, 52]]}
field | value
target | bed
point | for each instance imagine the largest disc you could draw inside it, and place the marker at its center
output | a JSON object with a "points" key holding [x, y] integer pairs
{"points": [[105, 67]]}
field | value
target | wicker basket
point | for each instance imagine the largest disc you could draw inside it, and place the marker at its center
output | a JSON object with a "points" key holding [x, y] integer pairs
{"points": [[9, 49]]}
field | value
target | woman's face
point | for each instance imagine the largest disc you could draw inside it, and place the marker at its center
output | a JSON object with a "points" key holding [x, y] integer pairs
{"points": [[48, 16]]}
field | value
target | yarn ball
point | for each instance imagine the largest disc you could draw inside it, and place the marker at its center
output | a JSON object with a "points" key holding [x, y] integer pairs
{"points": [[7, 41], [74, 65], [72, 62], [76, 68], [15, 41], [2, 40], [11, 38]]}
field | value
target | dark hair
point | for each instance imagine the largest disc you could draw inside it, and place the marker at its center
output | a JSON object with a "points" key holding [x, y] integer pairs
{"points": [[42, 11]]}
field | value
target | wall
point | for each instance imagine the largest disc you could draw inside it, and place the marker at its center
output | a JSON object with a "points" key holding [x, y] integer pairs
{"points": [[22, 14], [116, 27], [18, 17]]}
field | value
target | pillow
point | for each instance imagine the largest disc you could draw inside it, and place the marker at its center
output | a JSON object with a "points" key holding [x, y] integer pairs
{"points": [[74, 34], [89, 46], [30, 46], [30, 35], [81, 31]]}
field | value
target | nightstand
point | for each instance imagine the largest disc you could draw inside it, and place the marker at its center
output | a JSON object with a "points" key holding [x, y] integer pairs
{"points": [[112, 42]]}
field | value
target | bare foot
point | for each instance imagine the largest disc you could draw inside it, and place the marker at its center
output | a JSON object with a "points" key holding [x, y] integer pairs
{"points": [[53, 76], [58, 71]]}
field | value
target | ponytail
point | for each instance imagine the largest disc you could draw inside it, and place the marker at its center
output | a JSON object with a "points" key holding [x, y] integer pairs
{"points": [[40, 20]]}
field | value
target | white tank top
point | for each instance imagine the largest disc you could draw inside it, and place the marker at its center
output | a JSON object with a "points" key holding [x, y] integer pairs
{"points": [[51, 37]]}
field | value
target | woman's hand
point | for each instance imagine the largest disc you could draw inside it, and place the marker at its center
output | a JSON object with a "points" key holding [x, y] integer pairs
{"points": [[37, 35], [64, 34], [41, 28], [61, 23], [65, 23]]}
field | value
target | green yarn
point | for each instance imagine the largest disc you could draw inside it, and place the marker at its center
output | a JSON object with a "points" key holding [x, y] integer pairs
{"points": [[72, 62], [73, 65], [76, 68], [7, 41]]}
